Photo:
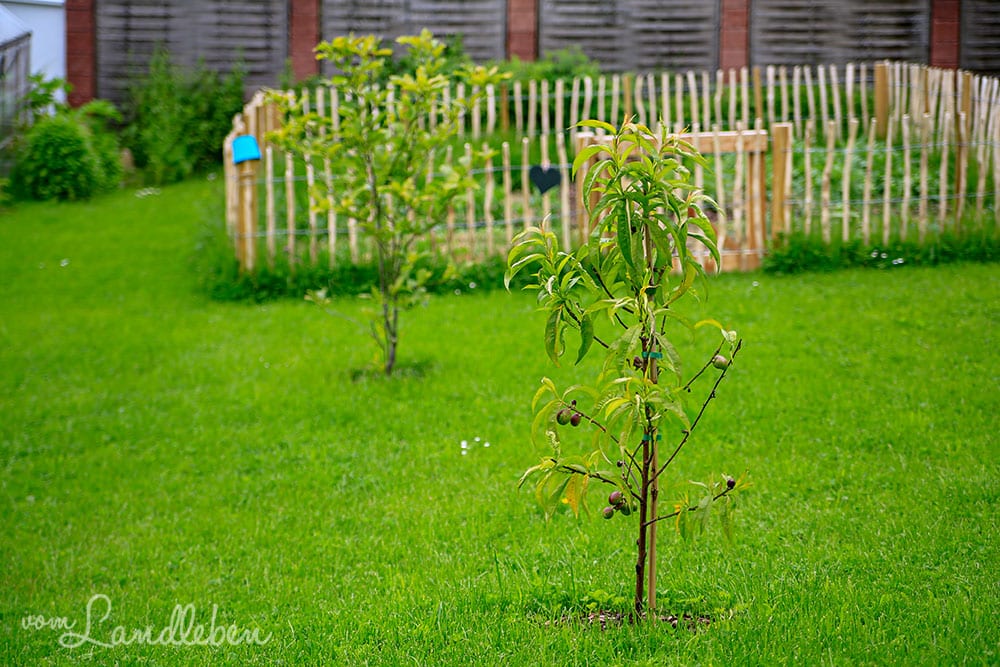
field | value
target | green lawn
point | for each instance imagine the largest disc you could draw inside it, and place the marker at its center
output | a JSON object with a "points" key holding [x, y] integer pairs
{"points": [[163, 449]]}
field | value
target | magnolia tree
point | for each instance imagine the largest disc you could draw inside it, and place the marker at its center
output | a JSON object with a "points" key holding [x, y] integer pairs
{"points": [[382, 158], [618, 291]]}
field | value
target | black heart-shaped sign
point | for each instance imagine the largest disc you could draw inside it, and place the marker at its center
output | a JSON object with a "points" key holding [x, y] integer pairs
{"points": [[544, 179]]}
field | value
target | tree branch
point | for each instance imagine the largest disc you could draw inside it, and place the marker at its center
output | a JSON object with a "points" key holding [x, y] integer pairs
{"points": [[724, 492], [687, 387], [580, 324], [687, 432]]}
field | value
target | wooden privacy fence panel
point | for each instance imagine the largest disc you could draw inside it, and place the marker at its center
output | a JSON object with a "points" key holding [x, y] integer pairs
{"points": [[910, 154], [212, 31], [980, 47], [787, 32], [676, 34], [481, 23]]}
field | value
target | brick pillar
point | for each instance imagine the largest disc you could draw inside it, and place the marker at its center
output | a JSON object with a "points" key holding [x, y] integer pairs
{"points": [[522, 29], [734, 34], [81, 50], [303, 36], [945, 15]]}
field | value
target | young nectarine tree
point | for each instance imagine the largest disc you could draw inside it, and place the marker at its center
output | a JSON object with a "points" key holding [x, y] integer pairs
{"points": [[385, 158], [626, 280]]}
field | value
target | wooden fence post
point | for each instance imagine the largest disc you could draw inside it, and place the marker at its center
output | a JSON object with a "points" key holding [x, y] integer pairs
{"points": [[881, 99], [248, 216], [782, 139]]}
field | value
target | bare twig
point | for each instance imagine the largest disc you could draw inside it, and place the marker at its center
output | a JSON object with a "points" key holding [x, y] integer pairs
{"points": [[724, 492], [711, 395], [704, 368]]}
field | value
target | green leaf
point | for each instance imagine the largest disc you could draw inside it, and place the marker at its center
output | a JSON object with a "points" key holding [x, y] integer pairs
{"points": [[575, 489], [625, 238], [553, 335], [586, 337], [546, 464], [586, 154], [598, 124], [543, 423]]}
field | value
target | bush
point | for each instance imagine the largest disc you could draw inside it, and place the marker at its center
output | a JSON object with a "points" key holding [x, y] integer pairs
{"points": [[72, 155], [176, 120], [561, 64], [57, 161]]}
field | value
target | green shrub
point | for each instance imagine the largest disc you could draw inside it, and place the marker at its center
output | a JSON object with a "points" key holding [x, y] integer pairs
{"points": [[99, 116], [72, 155], [562, 64], [57, 161], [177, 120]]}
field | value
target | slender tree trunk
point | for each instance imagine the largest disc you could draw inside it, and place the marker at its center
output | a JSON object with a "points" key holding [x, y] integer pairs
{"points": [[653, 373], [640, 562]]}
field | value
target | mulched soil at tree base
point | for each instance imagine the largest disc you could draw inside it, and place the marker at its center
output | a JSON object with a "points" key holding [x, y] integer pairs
{"points": [[606, 618]]}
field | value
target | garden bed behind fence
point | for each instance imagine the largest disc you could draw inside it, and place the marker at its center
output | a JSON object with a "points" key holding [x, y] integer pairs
{"points": [[866, 152]]}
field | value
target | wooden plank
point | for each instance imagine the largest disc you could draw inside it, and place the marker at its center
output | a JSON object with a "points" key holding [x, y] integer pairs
{"points": [[488, 193], [720, 190], [518, 108], [780, 155], [739, 198], [470, 209], [831, 139], [545, 99], [526, 213], [719, 89], [881, 99], [922, 214], [565, 189], [508, 193], [290, 225], [887, 184], [845, 193], [807, 154], [692, 90], [866, 204], [271, 217], [907, 179], [943, 175], [732, 99]]}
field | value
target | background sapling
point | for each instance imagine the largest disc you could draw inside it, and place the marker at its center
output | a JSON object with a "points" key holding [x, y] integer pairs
{"points": [[385, 160]]}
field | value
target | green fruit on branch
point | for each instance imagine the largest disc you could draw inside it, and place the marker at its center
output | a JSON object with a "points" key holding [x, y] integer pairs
{"points": [[608, 512], [575, 419], [720, 362], [625, 509], [563, 416]]}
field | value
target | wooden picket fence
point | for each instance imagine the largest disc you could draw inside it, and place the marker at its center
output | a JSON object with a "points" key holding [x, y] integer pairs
{"points": [[880, 151]]}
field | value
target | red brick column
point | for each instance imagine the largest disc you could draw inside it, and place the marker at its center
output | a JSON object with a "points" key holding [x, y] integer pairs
{"points": [[734, 34], [522, 29], [945, 15], [303, 36], [81, 50]]}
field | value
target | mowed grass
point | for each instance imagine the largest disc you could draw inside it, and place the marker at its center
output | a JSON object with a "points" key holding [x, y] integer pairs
{"points": [[163, 449]]}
